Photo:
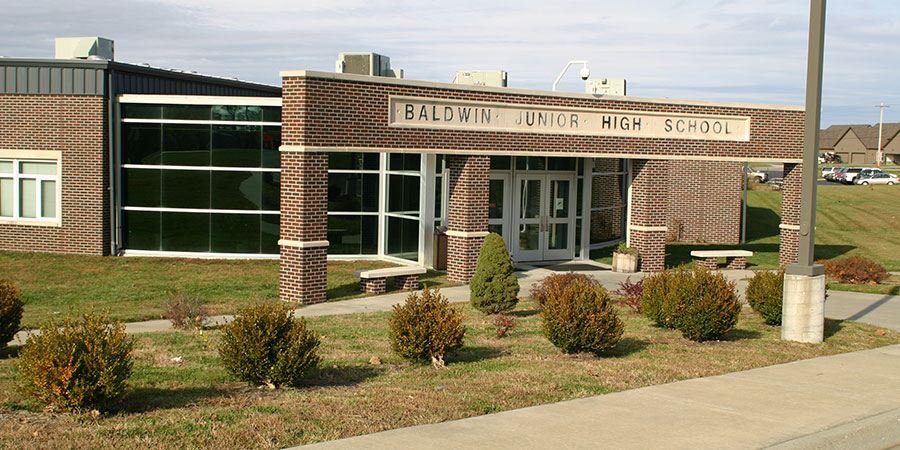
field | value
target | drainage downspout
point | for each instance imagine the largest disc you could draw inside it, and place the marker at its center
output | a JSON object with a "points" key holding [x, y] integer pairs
{"points": [[744, 206], [111, 114]]}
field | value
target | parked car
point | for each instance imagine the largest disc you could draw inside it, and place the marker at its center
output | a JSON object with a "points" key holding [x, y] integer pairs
{"points": [[827, 170], [877, 178], [869, 171], [829, 157], [831, 176], [850, 174], [757, 175]]}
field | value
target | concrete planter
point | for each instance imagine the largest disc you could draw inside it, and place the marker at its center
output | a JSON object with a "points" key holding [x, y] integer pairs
{"points": [[623, 262]]}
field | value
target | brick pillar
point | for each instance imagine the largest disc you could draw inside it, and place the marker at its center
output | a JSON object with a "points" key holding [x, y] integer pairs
{"points": [[467, 219], [789, 249], [648, 212], [304, 216]]}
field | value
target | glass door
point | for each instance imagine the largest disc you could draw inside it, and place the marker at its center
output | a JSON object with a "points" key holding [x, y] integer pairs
{"points": [[544, 221], [559, 218], [529, 218]]}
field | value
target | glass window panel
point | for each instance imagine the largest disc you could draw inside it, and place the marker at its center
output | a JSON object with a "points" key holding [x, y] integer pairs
{"points": [[439, 164], [578, 237], [236, 146], [403, 238], [6, 197], [271, 191], [271, 113], [6, 166], [501, 162], [185, 232], [268, 234], [352, 192], [271, 141], [27, 198], [403, 194], [48, 198], [344, 235], [237, 112], [438, 197], [190, 112], [579, 197], [561, 164], [142, 187], [142, 230], [495, 199], [529, 237], [606, 191], [404, 162], [497, 228], [580, 166], [352, 161], [530, 193], [142, 143], [236, 190], [186, 145], [606, 225], [531, 163], [558, 238], [37, 168], [369, 244], [234, 233], [185, 189], [559, 198], [141, 111]]}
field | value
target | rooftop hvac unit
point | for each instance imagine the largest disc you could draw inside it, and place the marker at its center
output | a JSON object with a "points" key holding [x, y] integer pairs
{"points": [[84, 48], [366, 63], [495, 78], [605, 86]]}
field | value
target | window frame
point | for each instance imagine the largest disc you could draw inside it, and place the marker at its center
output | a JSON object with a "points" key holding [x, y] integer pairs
{"points": [[17, 157]]}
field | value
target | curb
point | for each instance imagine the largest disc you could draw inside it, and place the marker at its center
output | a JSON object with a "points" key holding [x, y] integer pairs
{"points": [[877, 432]]}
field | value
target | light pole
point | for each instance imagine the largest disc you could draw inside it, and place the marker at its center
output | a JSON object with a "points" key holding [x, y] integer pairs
{"points": [[584, 73], [880, 127]]}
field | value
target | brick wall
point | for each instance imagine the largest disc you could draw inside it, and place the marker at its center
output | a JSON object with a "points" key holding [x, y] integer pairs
{"points": [[468, 213], [649, 197], [74, 126], [704, 201], [789, 251]]}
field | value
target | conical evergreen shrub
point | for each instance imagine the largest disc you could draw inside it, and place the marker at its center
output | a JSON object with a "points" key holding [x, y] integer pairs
{"points": [[494, 287]]}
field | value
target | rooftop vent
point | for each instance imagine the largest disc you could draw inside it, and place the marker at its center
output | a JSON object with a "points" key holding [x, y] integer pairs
{"points": [[84, 48], [605, 86], [366, 63], [495, 78]]}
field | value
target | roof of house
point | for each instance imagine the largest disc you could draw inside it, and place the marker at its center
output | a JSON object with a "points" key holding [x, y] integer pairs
{"points": [[868, 134]]}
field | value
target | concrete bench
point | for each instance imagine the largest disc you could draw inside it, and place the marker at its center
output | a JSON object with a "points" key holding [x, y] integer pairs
{"points": [[736, 259], [374, 281]]}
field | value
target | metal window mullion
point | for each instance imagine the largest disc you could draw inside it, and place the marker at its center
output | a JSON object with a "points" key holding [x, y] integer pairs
{"points": [[203, 122]]}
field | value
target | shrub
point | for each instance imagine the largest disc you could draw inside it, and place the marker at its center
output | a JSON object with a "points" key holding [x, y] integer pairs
{"points": [[630, 294], [624, 249], [504, 323], [854, 270], [426, 327], [494, 286], [579, 316], [555, 282], [700, 303], [11, 308], [83, 363], [185, 312], [265, 344], [764, 294]]}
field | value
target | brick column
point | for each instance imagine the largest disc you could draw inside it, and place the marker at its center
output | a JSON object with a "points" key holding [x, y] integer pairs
{"points": [[304, 216], [467, 219], [789, 249], [648, 212]]}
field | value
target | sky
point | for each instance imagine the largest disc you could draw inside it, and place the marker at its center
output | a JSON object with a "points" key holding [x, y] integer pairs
{"points": [[737, 51]]}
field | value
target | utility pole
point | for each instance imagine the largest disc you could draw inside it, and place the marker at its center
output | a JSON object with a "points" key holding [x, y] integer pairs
{"points": [[880, 127]]}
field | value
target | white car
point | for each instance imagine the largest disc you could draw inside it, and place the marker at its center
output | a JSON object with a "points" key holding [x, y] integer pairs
{"points": [[757, 175], [828, 170], [877, 178]]}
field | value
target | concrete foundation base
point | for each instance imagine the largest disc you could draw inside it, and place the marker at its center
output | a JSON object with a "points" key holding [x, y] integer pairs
{"points": [[803, 310]]}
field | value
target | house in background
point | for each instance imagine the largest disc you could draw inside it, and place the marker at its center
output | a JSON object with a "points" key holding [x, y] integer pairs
{"points": [[858, 144]]}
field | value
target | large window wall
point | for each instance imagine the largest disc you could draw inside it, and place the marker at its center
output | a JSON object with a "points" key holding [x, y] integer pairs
{"points": [[200, 178], [607, 202]]}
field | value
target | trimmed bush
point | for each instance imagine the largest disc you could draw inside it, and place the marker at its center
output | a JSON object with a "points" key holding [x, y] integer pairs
{"points": [[11, 308], [764, 294], [555, 283], [83, 363], [494, 286], [265, 344], [426, 327], [854, 270], [631, 294], [579, 316], [700, 303], [185, 312]]}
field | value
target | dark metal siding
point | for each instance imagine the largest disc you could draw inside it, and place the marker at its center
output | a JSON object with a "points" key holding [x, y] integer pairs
{"points": [[52, 80], [140, 83]]}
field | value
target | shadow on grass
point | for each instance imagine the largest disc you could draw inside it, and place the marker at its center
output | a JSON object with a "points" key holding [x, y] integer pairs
{"points": [[524, 313], [342, 376], [145, 399], [832, 326], [680, 253], [11, 351], [626, 346], [475, 353], [739, 334]]}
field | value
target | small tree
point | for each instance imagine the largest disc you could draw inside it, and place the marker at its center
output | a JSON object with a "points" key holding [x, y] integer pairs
{"points": [[494, 287], [426, 327], [764, 294], [11, 308]]}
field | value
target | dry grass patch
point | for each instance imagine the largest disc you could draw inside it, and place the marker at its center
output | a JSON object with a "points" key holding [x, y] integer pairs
{"points": [[195, 404]]}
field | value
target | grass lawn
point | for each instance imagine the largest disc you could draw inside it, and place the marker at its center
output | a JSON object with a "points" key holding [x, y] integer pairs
{"points": [[134, 289], [196, 404]]}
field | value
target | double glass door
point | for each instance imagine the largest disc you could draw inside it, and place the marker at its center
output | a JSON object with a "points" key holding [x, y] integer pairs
{"points": [[543, 217]]}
